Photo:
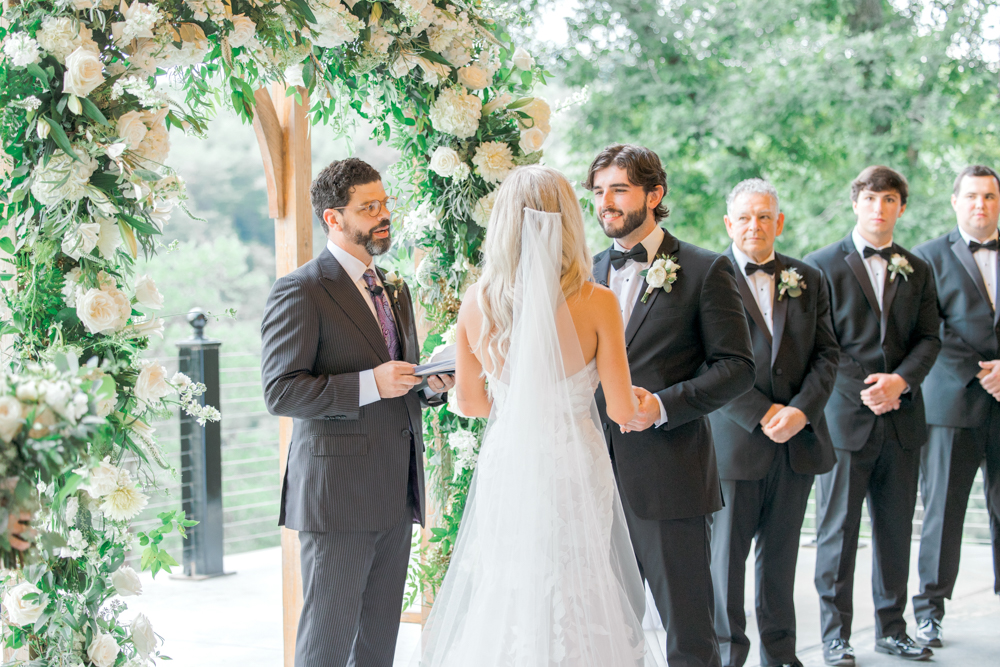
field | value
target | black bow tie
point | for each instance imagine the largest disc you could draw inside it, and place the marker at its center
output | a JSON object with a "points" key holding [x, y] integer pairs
{"points": [[989, 245], [884, 253], [636, 254], [766, 267]]}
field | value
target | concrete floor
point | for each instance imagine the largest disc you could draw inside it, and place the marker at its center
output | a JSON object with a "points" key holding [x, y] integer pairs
{"points": [[236, 620]]}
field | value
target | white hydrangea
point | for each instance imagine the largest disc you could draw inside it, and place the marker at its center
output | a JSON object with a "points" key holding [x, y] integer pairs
{"points": [[483, 209], [21, 49], [205, 9], [140, 19], [465, 447], [493, 160], [456, 112], [61, 35], [380, 40], [63, 178], [421, 221], [335, 24], [461, 172]]}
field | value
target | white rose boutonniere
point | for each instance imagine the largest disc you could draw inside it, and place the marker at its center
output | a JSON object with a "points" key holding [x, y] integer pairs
{"points": [[393, 283], [662, 273], [899, 266], [791, 283]]}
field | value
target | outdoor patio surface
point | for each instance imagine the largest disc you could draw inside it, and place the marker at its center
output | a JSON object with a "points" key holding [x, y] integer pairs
{"points": [[236, 620]]}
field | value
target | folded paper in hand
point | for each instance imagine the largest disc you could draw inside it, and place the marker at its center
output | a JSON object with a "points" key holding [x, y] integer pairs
{"points": [[442, 362]]}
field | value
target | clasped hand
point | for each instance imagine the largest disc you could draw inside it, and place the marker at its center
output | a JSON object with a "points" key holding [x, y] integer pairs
{"points": [[883, 394], [989, 377], [781, 422], [396, 378], [647, 414]]}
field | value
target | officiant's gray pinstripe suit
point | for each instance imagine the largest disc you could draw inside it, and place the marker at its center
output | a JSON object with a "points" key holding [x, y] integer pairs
{"points": [[354, 473]]}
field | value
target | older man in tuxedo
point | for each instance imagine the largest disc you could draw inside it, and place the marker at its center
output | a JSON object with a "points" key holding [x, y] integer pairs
{"points": [[884, 311], [964, 417], [689, 350], [339, 346], [772, 440]]}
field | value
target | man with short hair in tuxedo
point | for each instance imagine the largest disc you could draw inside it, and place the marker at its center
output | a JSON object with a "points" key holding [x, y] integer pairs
{"points": [[885, 315], [772, 440], [964, 417]]}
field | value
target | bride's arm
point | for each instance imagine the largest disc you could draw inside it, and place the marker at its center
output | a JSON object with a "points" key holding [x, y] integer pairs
{"points": [[470, 383], [612, 362]]}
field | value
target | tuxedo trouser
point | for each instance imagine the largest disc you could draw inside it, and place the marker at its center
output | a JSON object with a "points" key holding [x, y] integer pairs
{"points": [[352, 596], [948, 466], [674, 556], [771, 511], [886, 475]]}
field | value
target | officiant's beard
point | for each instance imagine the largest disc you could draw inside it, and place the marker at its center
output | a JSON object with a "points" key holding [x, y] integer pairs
{"points": [[367, 240], [630, 221]]}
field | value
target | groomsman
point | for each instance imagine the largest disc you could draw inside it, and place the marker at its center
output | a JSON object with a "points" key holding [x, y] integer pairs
{"points": [[964, 419], [689, 348], [772, 440], [885, 315]]}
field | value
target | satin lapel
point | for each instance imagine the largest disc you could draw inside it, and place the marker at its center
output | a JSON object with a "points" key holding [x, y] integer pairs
{"points": [[602, 268], [749, 303], [779, 310], [668, 246], [888, 294], [996, 283], [964, 255], [342, 289], [397, 314], [853, 259]]}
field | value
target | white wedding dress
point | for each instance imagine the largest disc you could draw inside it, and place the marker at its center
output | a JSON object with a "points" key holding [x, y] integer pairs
{"points": [[543, 572]]}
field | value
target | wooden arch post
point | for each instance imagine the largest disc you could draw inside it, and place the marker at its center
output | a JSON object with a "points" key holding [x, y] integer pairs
{"points": [[282, 128]]}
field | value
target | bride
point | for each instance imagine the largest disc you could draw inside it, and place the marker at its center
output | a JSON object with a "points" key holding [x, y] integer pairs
{"points": [[543, 572]]}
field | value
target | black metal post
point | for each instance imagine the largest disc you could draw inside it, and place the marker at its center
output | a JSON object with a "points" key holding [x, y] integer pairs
{"points": [[201, 456]]}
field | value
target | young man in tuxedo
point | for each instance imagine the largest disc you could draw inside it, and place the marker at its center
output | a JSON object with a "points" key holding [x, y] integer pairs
{"points": [[964, 417], [772, 440], [689, 349], [885, 315], [339, 347]]}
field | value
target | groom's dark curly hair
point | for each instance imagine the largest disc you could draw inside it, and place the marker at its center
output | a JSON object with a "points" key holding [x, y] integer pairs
{"points": [[642, 166], [333, 187]]}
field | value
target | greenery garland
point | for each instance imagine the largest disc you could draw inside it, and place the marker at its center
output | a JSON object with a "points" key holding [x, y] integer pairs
{"points": [[85, 114]]}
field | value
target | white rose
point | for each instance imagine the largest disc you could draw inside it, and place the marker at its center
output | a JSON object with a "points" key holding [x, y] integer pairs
{"points": [[98, 310], [522, 59], [540, 113], [148, 55], [126, 582], [402, 65], [656, 276], [82, 241], [20, 612], [151, 327], [155, 146], [103, 650], [293, 75], [531, 140], [243, 30], [143, 637], [131, 128], [147, 294], [151, 384], [493, 160], [473, 77], [10, 418], [444, 161], [84, 72], [100, 481]]}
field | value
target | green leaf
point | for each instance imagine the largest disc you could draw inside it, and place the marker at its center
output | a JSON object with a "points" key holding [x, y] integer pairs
{"points": [[7, 245], [59, 136], [304, 10], [526, 79], [71, 484], [139, 225], [37, 72], [91, 111], [147, 175], [435, 57]]}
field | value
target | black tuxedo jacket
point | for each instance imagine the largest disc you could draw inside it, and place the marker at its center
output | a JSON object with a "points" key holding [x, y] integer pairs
{"points": [[901, 338], [691, 347], [796, 367], [969, 332]]}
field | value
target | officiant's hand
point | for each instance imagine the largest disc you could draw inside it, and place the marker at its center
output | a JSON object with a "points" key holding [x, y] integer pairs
{"points": [[395, 378], [649, 411], [440, 383]]}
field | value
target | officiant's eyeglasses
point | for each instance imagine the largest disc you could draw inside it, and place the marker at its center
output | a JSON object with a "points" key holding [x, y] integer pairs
{"points": [[373, 207]]}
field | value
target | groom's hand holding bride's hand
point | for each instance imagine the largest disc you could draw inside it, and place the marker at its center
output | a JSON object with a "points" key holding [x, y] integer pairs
{"points": [[440, 383], [648, 413], [395, 379]]}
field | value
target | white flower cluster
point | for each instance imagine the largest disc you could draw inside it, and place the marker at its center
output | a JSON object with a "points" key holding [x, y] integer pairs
{"points": [[140, 19], [335, 24], [483, 209], [493, 160], [114, 487], [421, 221], [206, 9], [61, 36], [21, 49], [465, 446], [41, 400], [452, 36], [63, 178], [102, 309], [456, 112], [244, 31], [102, 234], [447, 163]]}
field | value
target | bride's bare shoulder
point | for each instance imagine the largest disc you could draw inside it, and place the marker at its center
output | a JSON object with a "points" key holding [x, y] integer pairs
{"points": [[596, 298], [470, 300]]}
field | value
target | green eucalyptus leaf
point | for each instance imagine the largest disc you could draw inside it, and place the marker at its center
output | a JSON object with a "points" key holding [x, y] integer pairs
{"points": [[58, 135]]}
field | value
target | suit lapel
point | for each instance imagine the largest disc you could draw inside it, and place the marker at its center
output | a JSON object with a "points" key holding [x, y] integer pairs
{"points": [[749, 303], [779, 310], [853, 259], [668, 246], [602, 267], [342, 289], [964, 255], [996, 284], [888, 294]]}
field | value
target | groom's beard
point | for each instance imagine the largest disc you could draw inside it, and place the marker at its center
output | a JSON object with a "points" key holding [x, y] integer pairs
{"points": [[628, 223], [367, 240]]}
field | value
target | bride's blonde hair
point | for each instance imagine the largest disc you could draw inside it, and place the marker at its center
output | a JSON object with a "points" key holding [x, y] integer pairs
{"points": [[543, 189]]}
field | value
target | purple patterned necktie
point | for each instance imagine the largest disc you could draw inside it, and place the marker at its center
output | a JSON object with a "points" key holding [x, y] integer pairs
{"points": [[384, 313]]}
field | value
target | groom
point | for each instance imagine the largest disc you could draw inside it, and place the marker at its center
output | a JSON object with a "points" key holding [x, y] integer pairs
{"points": [[689, 348], [339, 344]]}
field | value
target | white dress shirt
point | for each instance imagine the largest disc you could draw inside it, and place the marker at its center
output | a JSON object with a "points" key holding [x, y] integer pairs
{"points": [[987, 262], [626, 282], [875, 265], [761, 285], [355, 268]]}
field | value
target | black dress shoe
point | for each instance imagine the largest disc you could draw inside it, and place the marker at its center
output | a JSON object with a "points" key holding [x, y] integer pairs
{"points": [[838, 652], [929, 633], [793, 663], [903, 647]]}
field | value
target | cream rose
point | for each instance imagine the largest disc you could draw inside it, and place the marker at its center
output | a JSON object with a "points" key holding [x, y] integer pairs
{"points": [[11, 422], [21, 612], [473, 77], [143, 637], [131, 128], [98, 310], [243, 30], [126, 582], [531, 140], [540, 113], [444, 161], [657, 275], [84, 72], [522, 59], [147, 294], [155, 146], [103, 650], [151, 384]]}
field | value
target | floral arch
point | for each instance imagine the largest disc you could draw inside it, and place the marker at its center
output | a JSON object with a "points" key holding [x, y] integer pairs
{"points": [[86, 188]]}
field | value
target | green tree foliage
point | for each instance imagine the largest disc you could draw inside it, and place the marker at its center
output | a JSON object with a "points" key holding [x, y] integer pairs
{"points": [[805, 93]]}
